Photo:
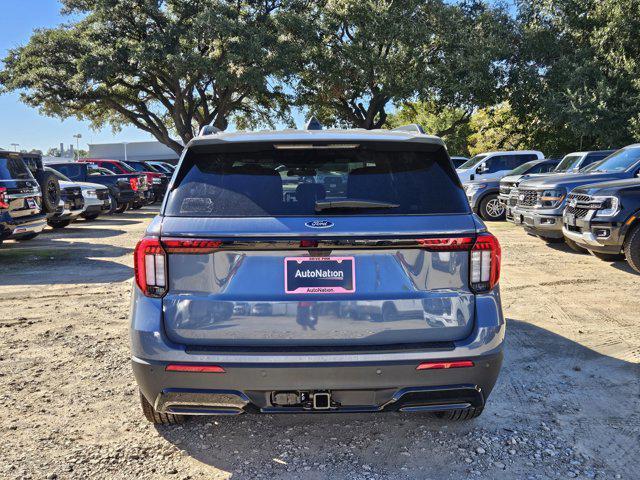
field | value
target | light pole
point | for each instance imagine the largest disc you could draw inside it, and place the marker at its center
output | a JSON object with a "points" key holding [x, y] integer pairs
{"points": [[77, 136], [15, 146], [125, 151]]}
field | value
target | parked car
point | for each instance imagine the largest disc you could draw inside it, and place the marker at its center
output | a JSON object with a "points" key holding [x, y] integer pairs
{"points": [[96, 196], [527, 170], [71, 205], [48, 183], [164, 167], [491, 165], [141, 183], [459, 161], [21, 214], [227, 233], [604, 219], [577, 161], [121, 189], [485, 195], [157, 180], [541, 201]]}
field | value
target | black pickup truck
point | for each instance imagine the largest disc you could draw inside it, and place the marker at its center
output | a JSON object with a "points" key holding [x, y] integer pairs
{"points": [[604, 218], [121, 188]]}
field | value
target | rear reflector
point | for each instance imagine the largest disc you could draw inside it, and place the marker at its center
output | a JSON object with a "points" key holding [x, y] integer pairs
{"points": [[441, 365], [4, 202], [195, 368]]}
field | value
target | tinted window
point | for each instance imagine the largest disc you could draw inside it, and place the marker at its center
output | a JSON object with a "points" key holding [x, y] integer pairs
{"points": [[111, 166], [138, 167], [473, 161], [621, 160], [71, 170], [59, 175], [282, 182], [14, 169], [498, 163], [543, 168], [568, 162]]}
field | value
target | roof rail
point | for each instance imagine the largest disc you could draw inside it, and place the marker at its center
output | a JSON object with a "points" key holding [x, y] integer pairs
{"points": [[209, 130], [412, 127], [313, 124]]}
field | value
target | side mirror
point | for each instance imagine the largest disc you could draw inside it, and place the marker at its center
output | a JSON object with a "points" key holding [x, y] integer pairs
{"points": [[482, 168]]}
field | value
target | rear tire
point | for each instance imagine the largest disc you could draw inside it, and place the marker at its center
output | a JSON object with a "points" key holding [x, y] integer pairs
{"points": [[158, 418], [50, 189], [91, 217], [491, 209], [58, 224], [608, 257], [122, 208], [632, 248], [574, 246], [460, 415]]}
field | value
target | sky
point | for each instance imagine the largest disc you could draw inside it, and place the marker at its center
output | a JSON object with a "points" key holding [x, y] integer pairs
{"points": [[25, 125]]}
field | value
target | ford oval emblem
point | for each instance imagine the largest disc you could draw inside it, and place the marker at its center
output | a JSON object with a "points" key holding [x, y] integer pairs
{"points": [[319, 224]]}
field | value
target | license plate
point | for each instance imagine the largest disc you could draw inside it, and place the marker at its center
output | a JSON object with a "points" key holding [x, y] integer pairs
{"points": [[31, 203], [319, 275]]}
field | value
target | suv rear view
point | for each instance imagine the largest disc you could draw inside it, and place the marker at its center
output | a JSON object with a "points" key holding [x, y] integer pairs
{"points": [[256, 285]]}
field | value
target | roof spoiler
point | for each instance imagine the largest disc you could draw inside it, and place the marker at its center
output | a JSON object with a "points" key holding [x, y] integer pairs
{"points": [[412, 128]]}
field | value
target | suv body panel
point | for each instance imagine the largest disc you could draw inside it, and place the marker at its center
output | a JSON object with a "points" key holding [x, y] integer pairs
{"points": [[229, 307]]}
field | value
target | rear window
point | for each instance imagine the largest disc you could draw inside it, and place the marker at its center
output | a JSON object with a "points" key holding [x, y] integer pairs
{"points": [[13, 169], [319, 181]]}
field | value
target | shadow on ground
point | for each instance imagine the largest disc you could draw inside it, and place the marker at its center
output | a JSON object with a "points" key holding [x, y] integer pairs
{"points": [[591, 400]]}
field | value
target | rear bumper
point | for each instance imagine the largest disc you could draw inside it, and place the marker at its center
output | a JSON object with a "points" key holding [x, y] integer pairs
{"points": [[23, 225], [538, 223], [353, 387], [367, 380]]}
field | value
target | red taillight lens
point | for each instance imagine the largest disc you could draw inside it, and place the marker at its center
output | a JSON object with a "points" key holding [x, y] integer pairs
{"points": [[134, 184], [485, 263], [446, 244], [150, 264], [4, 201], [441, 365], [194, 368], [174, 245]]}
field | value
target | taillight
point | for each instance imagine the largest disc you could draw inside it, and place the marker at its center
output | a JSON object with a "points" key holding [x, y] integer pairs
{"points": [[444, 365], [447, 244], [176, 245], [4, 201], [150, 265], [177, 367], [134, 184], [485, 263]]}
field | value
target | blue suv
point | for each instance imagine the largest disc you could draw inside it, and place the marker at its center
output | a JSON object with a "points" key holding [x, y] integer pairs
{"points": [[316, 271]]}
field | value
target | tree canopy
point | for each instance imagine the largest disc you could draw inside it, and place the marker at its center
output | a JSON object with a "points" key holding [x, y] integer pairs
{"points": [[558, 75]]}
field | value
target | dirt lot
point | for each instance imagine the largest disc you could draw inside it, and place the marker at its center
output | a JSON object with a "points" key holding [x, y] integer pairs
{"points": [[567, 403]]}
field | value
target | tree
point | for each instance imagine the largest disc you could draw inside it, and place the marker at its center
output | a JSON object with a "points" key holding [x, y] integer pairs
{"points": [[452, 124], [496, 128], [563, 88], [359, 56], [168, 67]]}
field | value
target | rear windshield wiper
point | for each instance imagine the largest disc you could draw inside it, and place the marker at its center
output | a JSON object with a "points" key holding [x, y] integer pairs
{"points": [[352, 203]]}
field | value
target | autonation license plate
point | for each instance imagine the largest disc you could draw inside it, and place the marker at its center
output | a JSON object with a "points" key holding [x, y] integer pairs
{"points": [[319, 275]]}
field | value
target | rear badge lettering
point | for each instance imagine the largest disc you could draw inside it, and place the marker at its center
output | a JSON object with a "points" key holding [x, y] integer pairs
{"points": [[319, 224]]}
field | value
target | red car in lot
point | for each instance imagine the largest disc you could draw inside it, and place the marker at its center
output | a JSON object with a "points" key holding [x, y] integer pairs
{"points": [[147, 194]]}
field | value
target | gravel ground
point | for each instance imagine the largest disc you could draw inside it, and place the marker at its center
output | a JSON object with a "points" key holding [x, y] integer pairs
{"points": [[567, 404]]}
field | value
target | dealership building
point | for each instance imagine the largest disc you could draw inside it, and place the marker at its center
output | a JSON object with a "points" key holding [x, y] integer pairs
{"points": [[133, 151]]}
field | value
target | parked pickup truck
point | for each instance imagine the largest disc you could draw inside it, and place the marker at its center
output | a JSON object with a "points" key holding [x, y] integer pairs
{"points": [[541, 201], [142, 185], [122, 187], [21, 215], [158, 180], [604, 219]]}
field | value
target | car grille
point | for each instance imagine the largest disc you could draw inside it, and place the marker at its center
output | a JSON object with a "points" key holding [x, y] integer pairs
{"points": [[580, 210], [527, 198]]}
